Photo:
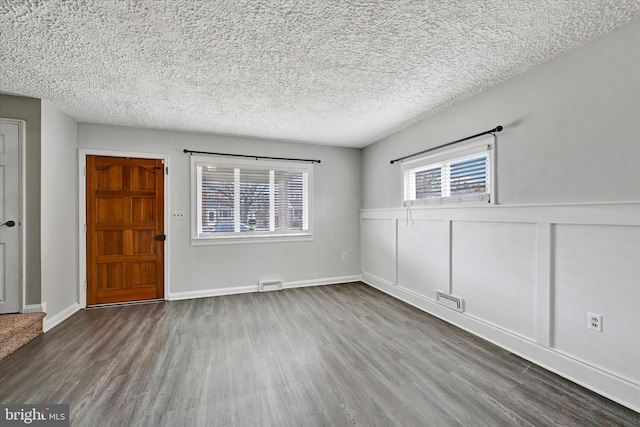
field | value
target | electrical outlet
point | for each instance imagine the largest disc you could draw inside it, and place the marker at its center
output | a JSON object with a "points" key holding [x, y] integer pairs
{"points": [[595, 322], [344, 255], [177, 215]]}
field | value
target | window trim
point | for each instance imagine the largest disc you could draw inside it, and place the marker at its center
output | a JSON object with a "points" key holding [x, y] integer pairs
{"points": [[450, 155], [249, 236]]}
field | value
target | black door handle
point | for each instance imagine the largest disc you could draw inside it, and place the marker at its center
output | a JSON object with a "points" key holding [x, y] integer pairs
{"points": [[8, 223]]}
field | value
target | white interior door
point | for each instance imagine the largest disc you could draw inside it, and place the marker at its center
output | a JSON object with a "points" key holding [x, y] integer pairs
{"points": [[9, 219]]}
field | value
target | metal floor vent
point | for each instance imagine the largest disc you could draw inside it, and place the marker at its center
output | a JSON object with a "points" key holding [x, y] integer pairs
{"points": [[270, 285], [451, 301]]}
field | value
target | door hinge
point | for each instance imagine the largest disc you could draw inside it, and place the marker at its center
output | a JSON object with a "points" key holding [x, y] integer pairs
{"points": [[160, 237], [85, 286], [85, 229], [167, 170]]}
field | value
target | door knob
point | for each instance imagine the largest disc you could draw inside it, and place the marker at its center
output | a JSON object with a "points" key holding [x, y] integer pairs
{"points": [[8, 223]]}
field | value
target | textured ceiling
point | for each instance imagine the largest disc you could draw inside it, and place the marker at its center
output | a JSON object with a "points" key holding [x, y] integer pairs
{"points": [[331, 72]]}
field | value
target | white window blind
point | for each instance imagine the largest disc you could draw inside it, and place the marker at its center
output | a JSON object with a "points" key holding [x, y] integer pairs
{"points": [[251, 198], [454, 176]]}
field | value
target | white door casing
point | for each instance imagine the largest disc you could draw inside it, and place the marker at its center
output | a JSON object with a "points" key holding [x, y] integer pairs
{"points": [[10, 295]]}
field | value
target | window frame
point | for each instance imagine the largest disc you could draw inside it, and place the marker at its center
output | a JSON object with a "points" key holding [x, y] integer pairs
{"points": [[244, 237], [485, 145]]}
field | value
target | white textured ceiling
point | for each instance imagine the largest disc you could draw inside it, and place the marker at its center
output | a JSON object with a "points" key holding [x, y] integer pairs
{"points": [[331, 72]]}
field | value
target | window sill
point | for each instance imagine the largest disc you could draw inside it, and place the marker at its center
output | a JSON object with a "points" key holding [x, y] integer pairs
{"points": [[466, 201], [250, 238]]}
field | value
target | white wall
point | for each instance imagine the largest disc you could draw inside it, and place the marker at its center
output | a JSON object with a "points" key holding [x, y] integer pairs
{"points": [[59, 214], [560, 245], [209, 270]]}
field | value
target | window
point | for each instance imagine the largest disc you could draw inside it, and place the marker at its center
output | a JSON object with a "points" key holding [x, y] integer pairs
{"points": [[247, 200], [459, 175]]}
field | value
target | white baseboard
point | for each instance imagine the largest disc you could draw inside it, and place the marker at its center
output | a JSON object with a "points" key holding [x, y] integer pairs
{"points": [[35, 308], [620, 390], [321, 282], [52, 321], [234, 290]]}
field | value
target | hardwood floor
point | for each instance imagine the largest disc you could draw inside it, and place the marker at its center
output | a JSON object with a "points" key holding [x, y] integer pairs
{"points": [[324, 356]]}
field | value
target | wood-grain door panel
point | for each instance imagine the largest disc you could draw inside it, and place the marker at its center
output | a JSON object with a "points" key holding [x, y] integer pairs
{"points": [[125, 212]]}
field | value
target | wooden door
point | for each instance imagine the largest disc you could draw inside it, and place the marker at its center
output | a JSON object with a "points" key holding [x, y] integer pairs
{"points": [[125, 229], [9, 222]]}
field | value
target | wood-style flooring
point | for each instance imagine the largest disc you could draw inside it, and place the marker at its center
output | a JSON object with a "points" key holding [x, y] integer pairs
{"points": [[338, 355]]}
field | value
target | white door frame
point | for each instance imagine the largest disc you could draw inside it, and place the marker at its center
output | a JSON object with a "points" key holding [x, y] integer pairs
{"points": [[82, 214], [21, 212]]}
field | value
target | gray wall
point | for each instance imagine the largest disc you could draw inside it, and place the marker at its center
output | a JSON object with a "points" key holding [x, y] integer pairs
{"points": [[28, 109], [59, 205], [572, 130], [336, 204]]}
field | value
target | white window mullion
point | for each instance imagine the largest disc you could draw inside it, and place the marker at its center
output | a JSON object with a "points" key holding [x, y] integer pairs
{"points": [[491, 173], [272, 200], [199, 199], [236, 199], [305, 201]]}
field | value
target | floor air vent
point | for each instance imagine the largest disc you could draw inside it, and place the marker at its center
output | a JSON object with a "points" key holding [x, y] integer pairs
{"points": [[270, 285], [451, 301]]}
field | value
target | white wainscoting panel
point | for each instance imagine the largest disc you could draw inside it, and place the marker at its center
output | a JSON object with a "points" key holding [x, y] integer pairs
{"points": [[379, 249], [528, 275], [494, 271], [597, 270], [423, 256]]}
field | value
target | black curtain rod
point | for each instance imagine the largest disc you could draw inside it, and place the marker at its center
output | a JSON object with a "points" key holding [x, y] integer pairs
{"points": [[492, 131], [250, 157]]}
